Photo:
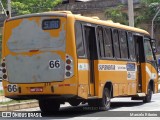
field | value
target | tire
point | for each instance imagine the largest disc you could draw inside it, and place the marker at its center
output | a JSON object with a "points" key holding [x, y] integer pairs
{"points": [[149, 95], [92, 103], [49, 106], [74, 103], [105, 102]]}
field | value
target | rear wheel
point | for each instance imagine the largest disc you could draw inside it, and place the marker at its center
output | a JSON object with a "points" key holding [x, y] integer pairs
{"points": [[49, 106], [149, 95], [74, 103], [103, 103]]}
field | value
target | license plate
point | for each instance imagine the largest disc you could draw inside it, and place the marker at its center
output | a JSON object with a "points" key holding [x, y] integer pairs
{"points": [[37, 89]]}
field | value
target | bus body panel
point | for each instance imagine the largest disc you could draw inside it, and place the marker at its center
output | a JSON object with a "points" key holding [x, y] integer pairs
{"points": [[122, 74], [149, 73], [116, 73], [83, 78], [27, 36], [59, 88], [38, 83]]}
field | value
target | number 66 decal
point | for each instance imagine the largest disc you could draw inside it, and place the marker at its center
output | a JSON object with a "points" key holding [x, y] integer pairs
{"points": [[12, 88], [54, 64]]}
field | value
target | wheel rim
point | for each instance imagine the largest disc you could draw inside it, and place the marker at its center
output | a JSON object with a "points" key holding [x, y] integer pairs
{"points": [[150, 94], [107, 101]]}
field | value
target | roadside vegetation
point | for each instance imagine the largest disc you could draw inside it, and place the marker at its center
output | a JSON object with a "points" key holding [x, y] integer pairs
{"points": [[1, 92], [143, 14], [143, 17], [0, 45], [32, 6]]}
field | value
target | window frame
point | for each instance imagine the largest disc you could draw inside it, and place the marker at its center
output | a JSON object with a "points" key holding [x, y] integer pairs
{"points": [[83, 41], [111, 41], [83, 23], [125, 43], [132, 33], [99, 44], [117, 58], [148, 39]]}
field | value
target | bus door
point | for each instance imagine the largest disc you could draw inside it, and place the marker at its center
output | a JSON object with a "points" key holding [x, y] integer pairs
{"points": [[91, 48], [140, 58]]}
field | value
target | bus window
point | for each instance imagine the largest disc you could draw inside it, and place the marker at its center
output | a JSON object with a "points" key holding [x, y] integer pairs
{"points": [[116, 44], [101, 41], [131, 45], [148, 50], [108, 43], [79, 40], [123, 44]]}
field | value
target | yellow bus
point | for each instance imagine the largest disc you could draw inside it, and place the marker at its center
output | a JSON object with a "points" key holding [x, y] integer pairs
{"points": [[58, 57]]}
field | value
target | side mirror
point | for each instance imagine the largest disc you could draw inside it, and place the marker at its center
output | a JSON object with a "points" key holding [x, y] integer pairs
{"points": [[153, 44], [153, 40]]}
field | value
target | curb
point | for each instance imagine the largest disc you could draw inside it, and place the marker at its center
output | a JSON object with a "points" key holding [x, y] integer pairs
{"points": [[19, 106]]}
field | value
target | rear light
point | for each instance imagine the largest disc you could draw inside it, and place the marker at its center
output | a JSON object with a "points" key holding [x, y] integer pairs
{"points": [[68, 74], [3, 70], [68, 67], [4, 76], [68, 61], [3, 64]]}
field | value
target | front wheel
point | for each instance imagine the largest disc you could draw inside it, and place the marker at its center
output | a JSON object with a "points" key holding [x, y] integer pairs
{"points": [[48, 106], [149, 95]]}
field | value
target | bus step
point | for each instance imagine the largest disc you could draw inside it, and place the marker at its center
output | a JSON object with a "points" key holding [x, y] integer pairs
{"points": [[141, 94], [92, 97]]}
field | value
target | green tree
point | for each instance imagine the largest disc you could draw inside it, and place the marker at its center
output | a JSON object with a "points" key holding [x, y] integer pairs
{"points": [[117, 15], [32, 6], [0, 45], [144, 14], [147, 11]]}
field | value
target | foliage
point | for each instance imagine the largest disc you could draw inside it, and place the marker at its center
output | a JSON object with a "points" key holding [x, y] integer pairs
{"points": [[32, 6], [0, 45], [149, 1], [145, 13], [1, 92], [117, 15]]}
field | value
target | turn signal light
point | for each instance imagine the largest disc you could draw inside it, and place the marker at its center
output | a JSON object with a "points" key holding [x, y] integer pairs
{"points": [[68, 61]]}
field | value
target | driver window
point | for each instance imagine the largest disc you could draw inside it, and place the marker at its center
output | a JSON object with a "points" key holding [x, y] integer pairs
{"points": [[148, 50]]}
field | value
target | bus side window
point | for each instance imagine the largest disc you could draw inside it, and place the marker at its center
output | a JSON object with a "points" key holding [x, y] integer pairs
{"points": [[108, 43], [148, 50], [131, 45], [79, 40], [123, 44], [116, 43], [99, 32]]}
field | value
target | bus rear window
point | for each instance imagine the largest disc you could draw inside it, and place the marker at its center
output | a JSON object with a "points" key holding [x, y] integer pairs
{"points": [[50, 24]]}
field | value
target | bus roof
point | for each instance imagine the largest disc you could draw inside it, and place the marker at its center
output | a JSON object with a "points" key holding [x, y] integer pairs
{"points": [[94, 20], [110, 24]]}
